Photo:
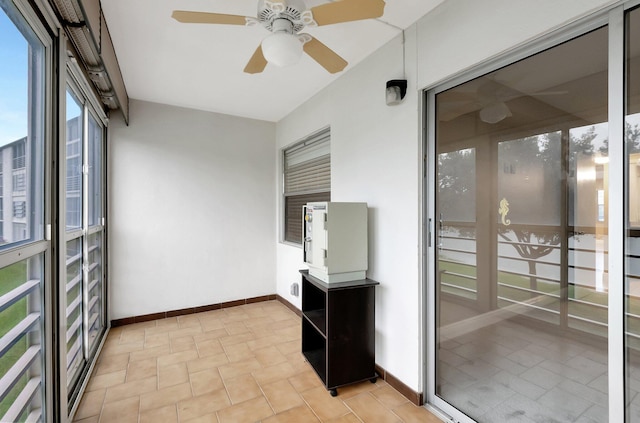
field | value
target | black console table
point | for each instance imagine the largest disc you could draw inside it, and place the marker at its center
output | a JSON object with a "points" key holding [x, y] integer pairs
{"points": [[338, 330]]}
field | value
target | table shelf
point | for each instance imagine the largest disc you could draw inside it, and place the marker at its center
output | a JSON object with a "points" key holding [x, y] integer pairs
{"points": [[338, 330]]}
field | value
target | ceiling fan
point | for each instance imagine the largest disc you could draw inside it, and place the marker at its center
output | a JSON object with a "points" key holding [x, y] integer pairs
{"points": [[285, 19]]}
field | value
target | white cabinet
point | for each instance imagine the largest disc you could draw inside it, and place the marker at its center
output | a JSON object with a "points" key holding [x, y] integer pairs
{"points": [[335, 240]]}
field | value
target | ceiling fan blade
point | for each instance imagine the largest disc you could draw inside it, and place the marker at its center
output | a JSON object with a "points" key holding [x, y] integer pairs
{"points": [[326, 57], [186, 16], [451, 112], [347, 11], [257, 63]]}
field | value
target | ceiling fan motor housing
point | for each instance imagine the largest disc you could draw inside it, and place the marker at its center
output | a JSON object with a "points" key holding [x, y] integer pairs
{"points": [[294, 11], [282, 25]]}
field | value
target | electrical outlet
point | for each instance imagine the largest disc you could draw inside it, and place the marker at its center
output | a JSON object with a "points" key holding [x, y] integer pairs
{"points": [[295, 289]]}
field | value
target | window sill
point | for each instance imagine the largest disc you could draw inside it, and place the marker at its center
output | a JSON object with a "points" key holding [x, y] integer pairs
{"points": [[291, 244]]}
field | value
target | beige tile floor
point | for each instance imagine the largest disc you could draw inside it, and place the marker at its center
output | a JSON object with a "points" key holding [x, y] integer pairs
{"points": [[239, 364]]}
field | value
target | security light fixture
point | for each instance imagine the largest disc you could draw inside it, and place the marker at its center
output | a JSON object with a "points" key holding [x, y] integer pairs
{"points": [[396, 90]]}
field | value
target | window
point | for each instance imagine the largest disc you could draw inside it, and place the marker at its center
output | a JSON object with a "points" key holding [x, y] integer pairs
{"points": [[19, 209], [74, 162], [19, 231], [24, 94], [19, 154], [307, 178], [94, 180], [83, 264], [19, 181]]}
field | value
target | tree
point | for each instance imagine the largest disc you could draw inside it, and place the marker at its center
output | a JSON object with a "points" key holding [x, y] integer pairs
{"points": [[632, 138], [457, 186], [545, 243], [546, 150], [541, 154]]}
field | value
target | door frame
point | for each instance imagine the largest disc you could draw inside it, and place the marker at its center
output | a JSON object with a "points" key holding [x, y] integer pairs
{"points": [[613, 17]]}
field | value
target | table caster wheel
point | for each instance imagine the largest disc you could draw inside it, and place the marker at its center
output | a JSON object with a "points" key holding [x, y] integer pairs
{"points": [[373, 379], [333, 392]]}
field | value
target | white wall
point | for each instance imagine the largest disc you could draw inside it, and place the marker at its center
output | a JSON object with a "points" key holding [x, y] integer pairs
{"points": [[376, 150], [192, 206], [375, 159], [459, 34]]}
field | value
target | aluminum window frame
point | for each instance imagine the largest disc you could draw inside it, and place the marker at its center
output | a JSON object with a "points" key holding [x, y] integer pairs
{"points": [[42, 247], [323, 132], [75, 81]]}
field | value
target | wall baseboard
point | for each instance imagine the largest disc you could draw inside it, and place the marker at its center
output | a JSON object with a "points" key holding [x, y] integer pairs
{"points": [[397, 384], [289, 305], [410, 394], [190, 310]]}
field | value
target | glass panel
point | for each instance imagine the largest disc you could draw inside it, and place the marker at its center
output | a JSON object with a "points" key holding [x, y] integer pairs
{"points": [[632, 282], [293, 213], [74, 163], [22, 101], [21, 128], [528, 225], [521, 300], [95, 172], [457, 232], [95, 306], [20, 307], [74, 315], [588, 283], [85, 289]]}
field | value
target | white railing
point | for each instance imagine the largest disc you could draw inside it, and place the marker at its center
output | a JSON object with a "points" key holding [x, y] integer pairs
{"points": [[25, 366], [457, 258]]}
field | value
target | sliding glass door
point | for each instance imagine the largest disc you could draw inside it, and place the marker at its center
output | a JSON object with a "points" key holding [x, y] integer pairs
{"points": [[520, 277], [534, 280], [82, 263]]}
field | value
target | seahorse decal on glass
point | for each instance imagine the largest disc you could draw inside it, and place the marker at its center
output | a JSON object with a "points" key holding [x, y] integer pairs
{"points": [[504, 210]]}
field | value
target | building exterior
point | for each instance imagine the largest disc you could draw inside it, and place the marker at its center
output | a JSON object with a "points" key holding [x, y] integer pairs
{"points": [[14, 204]]}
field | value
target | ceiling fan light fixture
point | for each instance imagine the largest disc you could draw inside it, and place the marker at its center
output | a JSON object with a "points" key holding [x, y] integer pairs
{"points": [[495, 112], [282, 48], [285, 19]]}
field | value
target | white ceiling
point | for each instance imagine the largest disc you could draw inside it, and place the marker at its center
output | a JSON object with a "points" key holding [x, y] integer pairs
{"points": [[201, 66]]}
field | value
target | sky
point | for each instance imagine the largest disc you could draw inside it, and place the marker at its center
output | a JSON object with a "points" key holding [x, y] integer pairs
{"points": [[13, 82]]}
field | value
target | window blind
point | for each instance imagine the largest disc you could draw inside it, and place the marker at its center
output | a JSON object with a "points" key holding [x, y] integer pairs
{"points": [[307, 166], [307, 178]]}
